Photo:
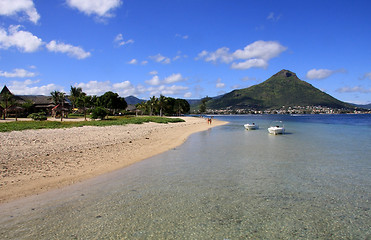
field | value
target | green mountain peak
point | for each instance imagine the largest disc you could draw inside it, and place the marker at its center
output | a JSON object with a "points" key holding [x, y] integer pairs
{"points": [[285, 73], [282, 89]]}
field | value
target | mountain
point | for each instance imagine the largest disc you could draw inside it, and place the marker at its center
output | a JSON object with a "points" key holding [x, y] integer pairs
{"points": [[282, 89], [365, 106], [131, 100]]}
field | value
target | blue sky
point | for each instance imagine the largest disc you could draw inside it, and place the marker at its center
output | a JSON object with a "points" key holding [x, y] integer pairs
{"points": [[184, 48]]}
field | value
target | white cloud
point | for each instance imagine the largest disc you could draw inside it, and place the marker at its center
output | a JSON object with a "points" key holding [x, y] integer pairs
{"points": [[222, 54], [133, 61], [255, 62], [160, 59], [124, 89], [248, 79], [367, 76], [175, 77], [219, 83], [273, 17], [187, 95], [144, 62], [101, 8], [256, 55], [122, 85], [95, 87], [26, 88], [154, 81], [23, 40], [154, 72], [265, 50], [14, 7], [181, 36], [319, 74], [356, 89], [166, 90], [72, 51], [119, 40], [18, 72], [27, 42], [176, 58]]}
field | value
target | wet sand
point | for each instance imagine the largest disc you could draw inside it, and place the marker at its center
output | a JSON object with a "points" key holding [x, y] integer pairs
{"points": [[35, 161]]}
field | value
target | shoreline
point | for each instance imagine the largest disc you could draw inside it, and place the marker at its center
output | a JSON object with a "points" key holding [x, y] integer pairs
{"points": [[36, 161]]}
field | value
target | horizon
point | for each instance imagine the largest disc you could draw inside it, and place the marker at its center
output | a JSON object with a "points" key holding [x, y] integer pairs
{"points": [[183, 49]]}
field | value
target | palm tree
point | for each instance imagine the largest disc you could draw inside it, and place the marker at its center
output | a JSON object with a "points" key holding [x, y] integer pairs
{"points": [[58, 99], [152, 103], [84, 102], [6, 102], [142, 107], [161, 102], [55, 96], [75, 93], [178, 108]]}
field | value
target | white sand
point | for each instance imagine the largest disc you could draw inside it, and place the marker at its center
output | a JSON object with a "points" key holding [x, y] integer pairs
{"points": [[34, 161]]}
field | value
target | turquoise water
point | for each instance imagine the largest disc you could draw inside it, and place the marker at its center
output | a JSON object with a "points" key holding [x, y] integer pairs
{"points": [[225, 183]]}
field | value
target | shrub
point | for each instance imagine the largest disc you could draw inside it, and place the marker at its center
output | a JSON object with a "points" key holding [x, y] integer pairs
{"points": [[40, 116], [99, 112]]}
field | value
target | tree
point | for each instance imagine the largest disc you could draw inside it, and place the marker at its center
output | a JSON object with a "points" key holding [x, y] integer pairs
{"points": [[181, 106], [28, 106], [161, 102], [152, 104], [84, 102], [58, 99], [112, 101], [99, 112], [142, 107], [75, 93], [6, 102], [203, 104]]}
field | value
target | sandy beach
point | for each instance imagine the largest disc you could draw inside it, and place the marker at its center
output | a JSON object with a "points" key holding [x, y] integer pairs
{"points": [[34, 161]]}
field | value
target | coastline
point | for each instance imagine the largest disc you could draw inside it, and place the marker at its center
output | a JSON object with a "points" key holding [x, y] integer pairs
{"points": [[35, 161]]}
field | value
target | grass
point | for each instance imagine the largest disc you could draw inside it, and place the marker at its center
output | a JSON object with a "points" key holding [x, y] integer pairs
{"points": [[24, 125]]}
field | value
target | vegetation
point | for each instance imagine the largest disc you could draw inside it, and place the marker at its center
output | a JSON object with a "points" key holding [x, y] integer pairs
{"points": [[75, 94], [84, 102], [111, 101], [164, 106], [202, 108], [6, 102], [108, 104], [40, 116], [24, 125], [99, 112], [59, 98]]}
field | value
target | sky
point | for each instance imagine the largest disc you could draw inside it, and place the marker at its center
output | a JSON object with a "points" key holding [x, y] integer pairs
{"points": [[184, 48]]}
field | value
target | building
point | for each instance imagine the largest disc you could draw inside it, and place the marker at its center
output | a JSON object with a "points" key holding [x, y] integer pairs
{"points": [[37, 103]]}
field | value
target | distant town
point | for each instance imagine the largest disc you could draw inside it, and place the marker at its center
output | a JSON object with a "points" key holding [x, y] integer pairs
{"points": [[291, 110]]}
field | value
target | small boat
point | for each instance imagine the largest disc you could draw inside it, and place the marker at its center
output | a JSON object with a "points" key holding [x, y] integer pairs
{"points": [[252, 126], [277, 129]]}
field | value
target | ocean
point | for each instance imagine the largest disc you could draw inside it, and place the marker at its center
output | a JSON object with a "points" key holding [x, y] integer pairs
{"points": [[313, 182]]}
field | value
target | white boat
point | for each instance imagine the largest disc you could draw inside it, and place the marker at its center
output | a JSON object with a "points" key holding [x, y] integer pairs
{"points": [[252, 126], [277, 129]]}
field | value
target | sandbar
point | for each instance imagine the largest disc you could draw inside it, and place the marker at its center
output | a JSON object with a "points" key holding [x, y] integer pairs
{"points": [[35, 161]]}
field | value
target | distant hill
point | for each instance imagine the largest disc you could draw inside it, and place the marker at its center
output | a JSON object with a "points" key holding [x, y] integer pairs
{"points": [[365, 106], [282, 89], [131, 100], [193, 101]]}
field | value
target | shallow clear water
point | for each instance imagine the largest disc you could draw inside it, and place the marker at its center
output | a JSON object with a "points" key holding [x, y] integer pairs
{"points": [[225, 183]]}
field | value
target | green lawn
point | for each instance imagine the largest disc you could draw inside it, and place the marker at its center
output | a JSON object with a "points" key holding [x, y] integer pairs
{"points": [[24, 125]]}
